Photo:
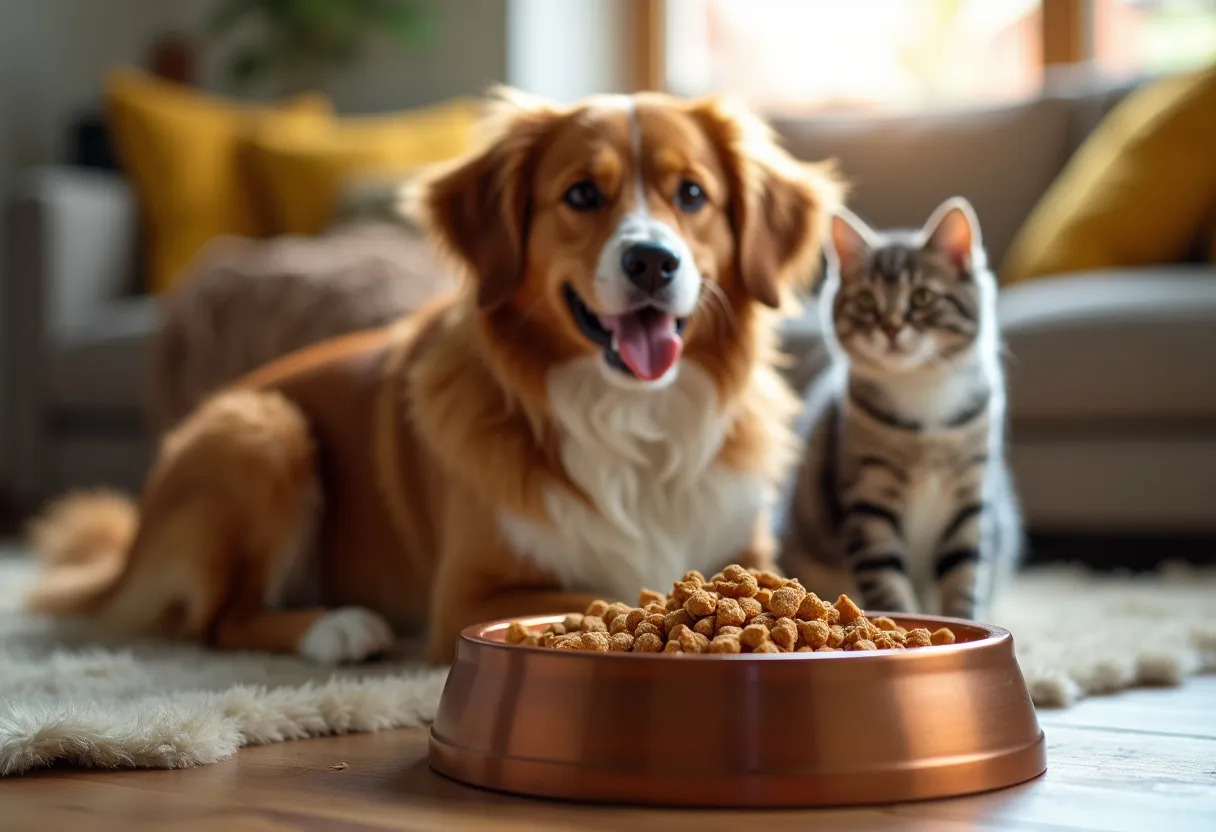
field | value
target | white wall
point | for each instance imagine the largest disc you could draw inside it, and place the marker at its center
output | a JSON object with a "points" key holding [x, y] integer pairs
{"points": [[567, 49]]}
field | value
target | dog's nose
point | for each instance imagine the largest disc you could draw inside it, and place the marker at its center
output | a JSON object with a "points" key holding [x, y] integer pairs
{"points": [[650, 266]]}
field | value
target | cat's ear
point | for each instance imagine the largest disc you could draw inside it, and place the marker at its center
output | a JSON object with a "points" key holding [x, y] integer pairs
{"points": [[849, 242], [954, 232]]}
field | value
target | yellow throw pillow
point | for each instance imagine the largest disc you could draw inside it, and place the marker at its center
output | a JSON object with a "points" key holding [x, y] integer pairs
{"points": [[302, 174], [184, 152], [1138, 191]]}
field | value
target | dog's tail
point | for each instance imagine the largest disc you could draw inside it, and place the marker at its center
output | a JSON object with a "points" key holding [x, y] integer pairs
{"points": [[82, 542]]}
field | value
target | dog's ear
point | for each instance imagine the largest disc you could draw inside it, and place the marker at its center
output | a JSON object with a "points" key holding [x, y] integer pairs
{"points": [[779, 206], [477, 206]]}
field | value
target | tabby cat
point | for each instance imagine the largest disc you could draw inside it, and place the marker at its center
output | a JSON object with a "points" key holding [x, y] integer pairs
{"points": [[903, 494]]}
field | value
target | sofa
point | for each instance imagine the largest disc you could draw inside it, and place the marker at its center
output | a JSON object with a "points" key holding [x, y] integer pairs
{"points": [[1112, 395]]}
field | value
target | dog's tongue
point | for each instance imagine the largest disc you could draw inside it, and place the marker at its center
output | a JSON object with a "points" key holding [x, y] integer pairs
{"points": [[647, 342]]}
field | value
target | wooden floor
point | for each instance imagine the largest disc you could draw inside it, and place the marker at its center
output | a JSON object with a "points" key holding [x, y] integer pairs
{"points": [[1143, 760]]}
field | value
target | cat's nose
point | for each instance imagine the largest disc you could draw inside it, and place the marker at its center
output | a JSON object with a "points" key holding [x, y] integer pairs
{"points": [[891, 329]]}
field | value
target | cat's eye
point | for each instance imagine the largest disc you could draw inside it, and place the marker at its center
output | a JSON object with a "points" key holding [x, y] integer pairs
{"points": [[866, 302], [584, 196], [690, 196], [922, 297]]}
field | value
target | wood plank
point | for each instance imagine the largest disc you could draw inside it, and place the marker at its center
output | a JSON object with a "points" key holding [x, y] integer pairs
{"points": [[1189, 710]]}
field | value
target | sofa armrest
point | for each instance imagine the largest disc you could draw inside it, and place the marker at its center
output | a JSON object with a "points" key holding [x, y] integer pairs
{"points": [[69, 245]]}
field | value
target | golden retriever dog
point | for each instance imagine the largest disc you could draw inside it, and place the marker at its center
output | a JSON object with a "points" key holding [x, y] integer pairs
{"points": [[595, 410]]}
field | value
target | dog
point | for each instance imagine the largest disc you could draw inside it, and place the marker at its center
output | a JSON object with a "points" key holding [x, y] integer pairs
{"points": [[595, 409]]}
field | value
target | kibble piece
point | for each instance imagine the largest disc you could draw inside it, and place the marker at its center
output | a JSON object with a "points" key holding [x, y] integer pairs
{"points": [[673, 604], [725, 644], [751, 608], [705, 627], [597, 608], [677, 632], [785, 633], [701, 603], [770, 580], [849, 611], [826, 649], [814, 633], [569, 642], [737, 583], [767, 647], [656, 608], [634, 618], [594, 624], [729, 631], [615, 609], [516, 633], [656, 619], [767, 619], [942, 636], [646, 627], [647, 643], [693, 642], [729, 613], [813, 607], [621, 642], [919, 637], [681, 591], [765, 597], [573, 622], [786, 600], [899, 638], [675, 618], [649, 596], [885, 642], [596, 640], [557, 629], [754, 635], [884, 623], [620, 624], [673, 647], [835, 635], [804, 649], [717, 576], [865, 644], [695, 576]]}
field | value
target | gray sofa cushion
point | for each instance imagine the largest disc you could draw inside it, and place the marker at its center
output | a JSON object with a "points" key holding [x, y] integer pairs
{"points": [[901, 167], [99, 362], [1132, 345]]}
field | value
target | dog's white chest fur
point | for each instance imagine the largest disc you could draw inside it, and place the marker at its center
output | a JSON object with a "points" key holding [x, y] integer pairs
{"points": [[659, 504]]}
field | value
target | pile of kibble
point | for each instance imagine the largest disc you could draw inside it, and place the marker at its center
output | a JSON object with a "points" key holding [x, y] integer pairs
{"points": [[736, 611]]}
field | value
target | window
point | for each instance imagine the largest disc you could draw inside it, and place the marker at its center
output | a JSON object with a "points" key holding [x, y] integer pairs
{"points": [[801, 55]]}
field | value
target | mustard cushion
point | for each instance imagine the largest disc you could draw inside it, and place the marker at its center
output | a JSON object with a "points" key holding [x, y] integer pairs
{"points": [[184, 153], [302, 174], [1138, 191]]}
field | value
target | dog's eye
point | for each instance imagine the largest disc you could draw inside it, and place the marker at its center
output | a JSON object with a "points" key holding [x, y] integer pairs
{"points": [[584, 195], [690, 196], [922, 297]]}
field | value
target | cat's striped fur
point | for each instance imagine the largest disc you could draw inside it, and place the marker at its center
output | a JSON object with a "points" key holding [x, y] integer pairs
{"points": [[903, 495]]}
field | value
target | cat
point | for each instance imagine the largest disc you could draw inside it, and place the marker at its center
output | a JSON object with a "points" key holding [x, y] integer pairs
{"points": [[903, 493]]}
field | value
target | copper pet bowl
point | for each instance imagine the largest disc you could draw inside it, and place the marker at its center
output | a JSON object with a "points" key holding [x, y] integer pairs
{"points": [[792, 729]]}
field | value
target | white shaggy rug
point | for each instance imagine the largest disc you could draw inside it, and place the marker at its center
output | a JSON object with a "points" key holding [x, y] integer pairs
{"points": [[67, 699]]}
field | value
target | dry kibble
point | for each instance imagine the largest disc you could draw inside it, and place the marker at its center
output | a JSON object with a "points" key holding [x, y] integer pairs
{"points": [[737, 610], [835, 635], [754, 635], [751, 608], [701, 603], [693, 642], [786, 600], [516, 633], [729, 613], [785, 633], [814, 633], [676, 618], [649, 596], [594, 624], [942, 636], [597, 608], [621, 642], [725, 644], [849, 612], [647, 643]]}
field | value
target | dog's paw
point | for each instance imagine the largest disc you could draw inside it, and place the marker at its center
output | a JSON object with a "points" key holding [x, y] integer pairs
{"points": [[348, 634]]}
